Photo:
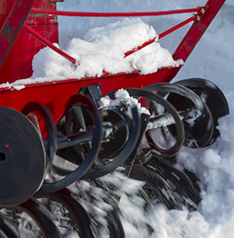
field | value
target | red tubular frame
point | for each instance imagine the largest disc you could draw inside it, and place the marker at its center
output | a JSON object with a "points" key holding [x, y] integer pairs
{"points": [[187, 44], [17, 99], [113, 14], [203, 20], [120, 14], [212, 6]]}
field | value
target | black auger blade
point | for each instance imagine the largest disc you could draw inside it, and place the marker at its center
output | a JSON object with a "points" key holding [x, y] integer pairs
{"points": [[210, 94], [187, 191]]}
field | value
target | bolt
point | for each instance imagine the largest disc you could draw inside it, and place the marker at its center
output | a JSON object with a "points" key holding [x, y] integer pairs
{"points": [[203, 11], [198, 18]]}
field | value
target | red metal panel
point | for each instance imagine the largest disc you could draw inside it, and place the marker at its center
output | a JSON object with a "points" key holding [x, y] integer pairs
{"points": [[12, 25], [18, 63], [57, 93]]}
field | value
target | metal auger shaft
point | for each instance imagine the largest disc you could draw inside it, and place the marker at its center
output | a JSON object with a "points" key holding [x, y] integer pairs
{"points": [[109, 131], [167, 119]]}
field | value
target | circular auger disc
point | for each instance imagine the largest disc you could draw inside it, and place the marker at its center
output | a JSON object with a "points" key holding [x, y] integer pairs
{"points": [[78, 172], [114, 146], [68, 214], [155, 136], [198, 120], [212, 96], [158, 190], [6, 228], [32, 219], [22, 158]]}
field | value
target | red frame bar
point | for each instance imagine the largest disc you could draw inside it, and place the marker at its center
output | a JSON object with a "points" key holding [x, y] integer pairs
{"points": [[161, 35], [74, 61], [139, 47], [121, 14], [174, 28], [113, 14], [203, 20]]}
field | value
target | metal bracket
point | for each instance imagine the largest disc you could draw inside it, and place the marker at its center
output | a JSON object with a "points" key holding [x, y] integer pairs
{"points": [[91, 90]]}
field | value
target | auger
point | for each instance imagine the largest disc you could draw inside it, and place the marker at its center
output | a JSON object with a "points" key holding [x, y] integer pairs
{"points": [[62, 135]]}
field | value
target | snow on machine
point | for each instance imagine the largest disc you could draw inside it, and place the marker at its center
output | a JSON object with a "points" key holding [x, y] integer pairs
{"points": [[63, 135]]}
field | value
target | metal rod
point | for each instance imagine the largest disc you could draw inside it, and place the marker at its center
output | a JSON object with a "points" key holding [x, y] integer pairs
{"points": [[139, 47], [109, 130], [203, 19], [174, 28], [167, 119], [65, 13], [113, 14], [161, 35], [49, 44], [66, 141]]}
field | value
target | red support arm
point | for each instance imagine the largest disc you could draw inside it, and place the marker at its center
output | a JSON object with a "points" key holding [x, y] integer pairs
{"points": [[202, 21]]}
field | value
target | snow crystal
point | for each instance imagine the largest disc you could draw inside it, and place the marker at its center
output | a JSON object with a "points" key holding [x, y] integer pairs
{"points": [[122, 97]]}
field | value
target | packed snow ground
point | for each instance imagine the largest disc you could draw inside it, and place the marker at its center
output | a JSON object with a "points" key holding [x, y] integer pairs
{"points": [[212, 59]]}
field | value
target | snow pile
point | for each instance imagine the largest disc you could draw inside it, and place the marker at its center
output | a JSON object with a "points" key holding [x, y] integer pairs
{"points": [[103, 49], [122, 97], [214, 167]]}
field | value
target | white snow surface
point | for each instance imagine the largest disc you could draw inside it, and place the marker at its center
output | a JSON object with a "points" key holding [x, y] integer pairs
{"points": [[103, 48], [122, 96], [213, 59]]}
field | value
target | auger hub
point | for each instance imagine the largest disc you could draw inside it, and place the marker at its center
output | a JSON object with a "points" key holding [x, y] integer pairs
{"points": [[22, 158]]}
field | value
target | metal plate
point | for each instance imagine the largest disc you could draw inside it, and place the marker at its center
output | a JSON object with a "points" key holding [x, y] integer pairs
{"points": [[22, 158]]}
